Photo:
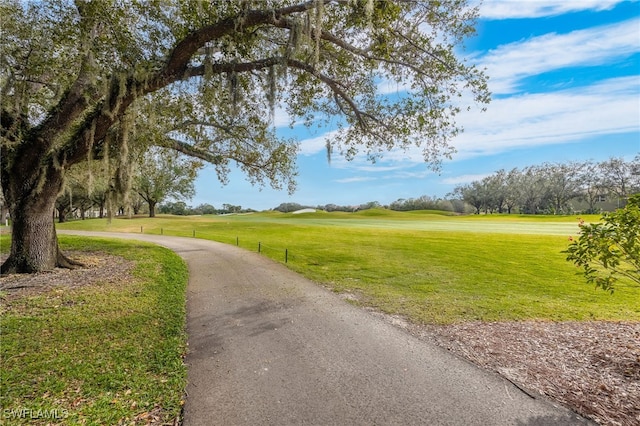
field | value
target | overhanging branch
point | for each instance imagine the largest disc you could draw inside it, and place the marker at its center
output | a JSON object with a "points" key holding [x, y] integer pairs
{"points": [[191, 150], [334, 85]]}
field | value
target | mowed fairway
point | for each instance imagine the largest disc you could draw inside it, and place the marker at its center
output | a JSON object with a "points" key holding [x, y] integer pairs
{"points": [[428, 267]]}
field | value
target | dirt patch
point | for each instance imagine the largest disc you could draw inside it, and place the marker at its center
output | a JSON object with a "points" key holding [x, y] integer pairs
{"points": [[98, 268]]}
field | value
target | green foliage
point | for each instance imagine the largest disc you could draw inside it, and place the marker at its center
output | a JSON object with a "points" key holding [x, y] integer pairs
{"points": [[554, 188], [609, 250], [165, 174], [199, 76], [103, 79], [99, 354]]}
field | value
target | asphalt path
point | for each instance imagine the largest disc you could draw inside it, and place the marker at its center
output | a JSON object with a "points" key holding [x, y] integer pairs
{"points": [[269, 347]]}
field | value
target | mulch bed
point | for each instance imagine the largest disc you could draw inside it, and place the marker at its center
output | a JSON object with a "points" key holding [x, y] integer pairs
{"points": [[592, 367], [98, 268]]}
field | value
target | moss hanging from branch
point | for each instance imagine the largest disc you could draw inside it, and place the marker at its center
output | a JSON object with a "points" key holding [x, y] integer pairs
{"points": [[115, 92], [125, 166], [318, 31], [234, 90], [90, 134], [119, 169], [208, 62], [273, 91], [368, 11]]}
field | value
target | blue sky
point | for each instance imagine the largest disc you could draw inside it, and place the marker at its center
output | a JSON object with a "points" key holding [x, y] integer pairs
{"points": [[565, 83]]}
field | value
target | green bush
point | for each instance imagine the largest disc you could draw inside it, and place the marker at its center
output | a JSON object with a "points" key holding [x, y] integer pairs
{"points": [[610, 249]]}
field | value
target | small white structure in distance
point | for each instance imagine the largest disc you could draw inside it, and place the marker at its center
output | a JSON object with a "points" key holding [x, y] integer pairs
{"points": [[304, 211]]}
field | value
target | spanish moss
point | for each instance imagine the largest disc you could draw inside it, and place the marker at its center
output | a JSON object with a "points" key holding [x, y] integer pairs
{"points": [[318, 30], [271, 95]]}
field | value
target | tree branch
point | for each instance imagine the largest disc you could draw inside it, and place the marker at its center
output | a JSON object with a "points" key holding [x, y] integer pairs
{"points": [[191, 150], [335, 87], [227, 67], [175, 69]]}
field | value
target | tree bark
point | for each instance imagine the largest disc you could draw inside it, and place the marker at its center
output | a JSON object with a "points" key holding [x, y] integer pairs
{"points": [[34, 243], [152, 209], [62, 214]]}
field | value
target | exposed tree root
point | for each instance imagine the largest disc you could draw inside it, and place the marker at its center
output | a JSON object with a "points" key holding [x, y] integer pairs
{"points": [[13, 266], [63, 261]]}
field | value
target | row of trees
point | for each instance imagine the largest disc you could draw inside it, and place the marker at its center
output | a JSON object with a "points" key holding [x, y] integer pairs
{"points": [[157, 175], [554, 188], [292, 207], [181, 208], [428, 203], [423, 202], [546, 188]]}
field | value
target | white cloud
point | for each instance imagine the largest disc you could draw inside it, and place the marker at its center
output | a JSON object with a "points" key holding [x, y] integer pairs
{"points": [[457, 180], [312, 146], [386, 87], [355, 179], [280, 117], [510, 63], [608, 107], [528, 120], [377, 168], [508, 9]]}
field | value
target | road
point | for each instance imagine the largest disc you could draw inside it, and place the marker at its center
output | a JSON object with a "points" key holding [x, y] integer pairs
{"points": [[269, 347]]}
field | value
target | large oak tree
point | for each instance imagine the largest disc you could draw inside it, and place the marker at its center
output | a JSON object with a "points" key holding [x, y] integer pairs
{"points": [[204, 78]]}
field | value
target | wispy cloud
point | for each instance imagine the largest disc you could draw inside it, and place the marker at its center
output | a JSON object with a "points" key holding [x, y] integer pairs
{"points": [[457, 180], [608, 107], [355, 179], [386, 87], [280, 117], [312, 146], [528, 120], [508, 9], [510, 63]]}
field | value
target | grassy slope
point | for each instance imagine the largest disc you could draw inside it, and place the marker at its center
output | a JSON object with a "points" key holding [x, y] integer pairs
{"points": [[98, 354], [429, 267]]}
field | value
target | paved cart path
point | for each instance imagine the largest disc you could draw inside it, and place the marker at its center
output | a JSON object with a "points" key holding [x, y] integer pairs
{"points": [[269, 347]]}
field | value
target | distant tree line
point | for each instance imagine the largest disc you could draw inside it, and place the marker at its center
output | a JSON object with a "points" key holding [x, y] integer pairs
{"points": [[423, 202], [155, 176], [549, 188], [554, 188], [292, 207], [428, 203], [180, 208]]}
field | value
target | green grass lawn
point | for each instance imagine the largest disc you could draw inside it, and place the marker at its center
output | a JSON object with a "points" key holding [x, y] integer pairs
{"points": [[429, 267], [98, 354]]}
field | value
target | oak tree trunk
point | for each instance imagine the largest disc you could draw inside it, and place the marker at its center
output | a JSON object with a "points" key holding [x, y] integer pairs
{"points": [[34, 243], [62, 213]]}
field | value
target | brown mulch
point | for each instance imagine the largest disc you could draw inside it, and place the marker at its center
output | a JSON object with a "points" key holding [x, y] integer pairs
{"points": [[97, 268], [592, 367]]}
